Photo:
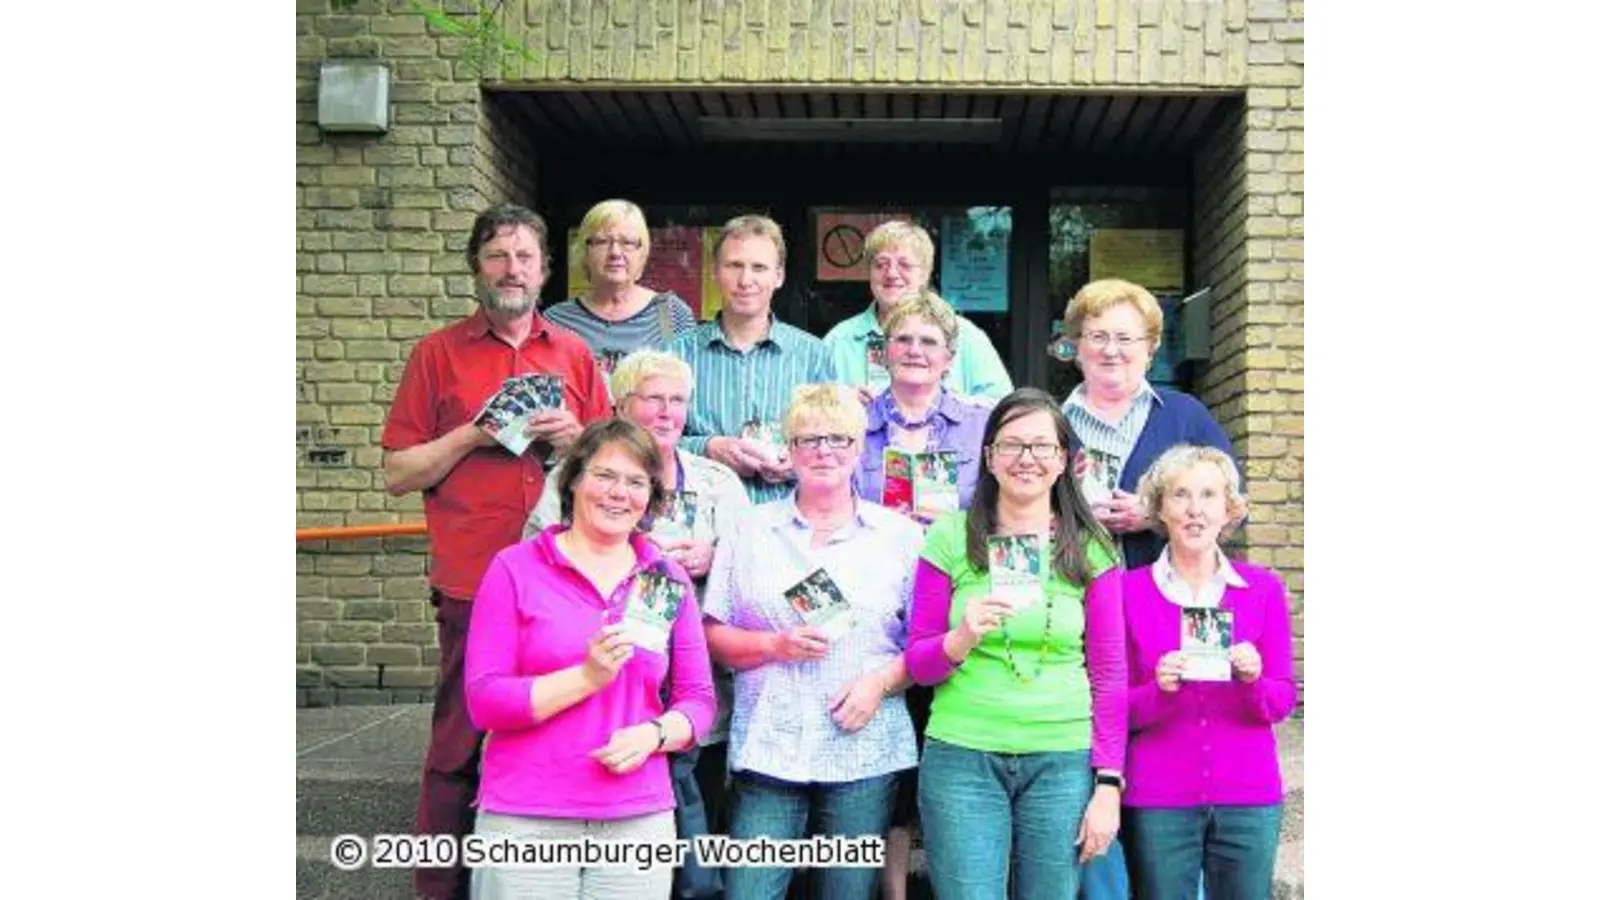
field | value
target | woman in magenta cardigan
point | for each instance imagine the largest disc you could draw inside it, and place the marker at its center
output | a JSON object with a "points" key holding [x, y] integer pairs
{"points": [[1204, 791], [571, 699]]}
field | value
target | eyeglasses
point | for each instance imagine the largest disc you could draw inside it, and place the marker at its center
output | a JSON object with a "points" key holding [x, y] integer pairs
{"points": [[1041, 450], [628, 245], [831, 441], [608, 481], [907, 341], [662, 401], [1100, 339], [889, 264]]}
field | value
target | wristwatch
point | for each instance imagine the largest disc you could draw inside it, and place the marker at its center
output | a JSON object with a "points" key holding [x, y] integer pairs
{"points": [[1106, 778], [661, 730]]}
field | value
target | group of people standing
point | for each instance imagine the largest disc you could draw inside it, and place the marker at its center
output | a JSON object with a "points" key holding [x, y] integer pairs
{"points": [[838, 659]]}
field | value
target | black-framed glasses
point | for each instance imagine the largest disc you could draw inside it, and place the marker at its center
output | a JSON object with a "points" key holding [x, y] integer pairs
{"points": [[831, 441], [1041, 450]]}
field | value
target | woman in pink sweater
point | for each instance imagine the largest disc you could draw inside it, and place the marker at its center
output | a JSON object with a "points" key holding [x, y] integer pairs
{"points": [[1210, 672], [573, 634]]}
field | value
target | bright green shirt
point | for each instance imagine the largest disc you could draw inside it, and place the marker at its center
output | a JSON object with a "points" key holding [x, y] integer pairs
{"points": [[977, 371], [984, 705]]}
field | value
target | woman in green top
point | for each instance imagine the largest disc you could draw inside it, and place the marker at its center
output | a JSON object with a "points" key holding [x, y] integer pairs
{"points": [[1025, 746]]}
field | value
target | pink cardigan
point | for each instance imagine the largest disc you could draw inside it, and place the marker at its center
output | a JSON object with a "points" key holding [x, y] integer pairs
{"points": [[534, 614], [1208, 743]]}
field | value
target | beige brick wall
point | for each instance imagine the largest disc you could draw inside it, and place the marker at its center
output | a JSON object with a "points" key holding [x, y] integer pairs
{"points": [[382, 231], [1143, 43], [1250, 228], [382, 222]]}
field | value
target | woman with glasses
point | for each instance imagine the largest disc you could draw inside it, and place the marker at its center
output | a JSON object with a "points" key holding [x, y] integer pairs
{"points": [[1017, 621], [1120, 425], [573, 636], [617, 315], [899, 264], [1204, 790], [705, 499], [921, 456], [806, 603]]}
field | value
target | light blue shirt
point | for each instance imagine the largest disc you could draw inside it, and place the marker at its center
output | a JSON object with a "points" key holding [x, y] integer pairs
{"points": [[977, 369], [781, 724], [732, 387]]}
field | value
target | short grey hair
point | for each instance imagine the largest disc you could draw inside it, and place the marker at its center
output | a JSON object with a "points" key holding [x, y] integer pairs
{"points": [[1156, 481]]}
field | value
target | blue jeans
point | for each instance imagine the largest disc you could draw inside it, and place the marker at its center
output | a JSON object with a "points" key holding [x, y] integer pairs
{"points": [[987, 816], [783, 810], [1235, 847]]}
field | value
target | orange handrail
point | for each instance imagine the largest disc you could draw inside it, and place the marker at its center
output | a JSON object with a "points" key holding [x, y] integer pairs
{"points": [[351, 532]]}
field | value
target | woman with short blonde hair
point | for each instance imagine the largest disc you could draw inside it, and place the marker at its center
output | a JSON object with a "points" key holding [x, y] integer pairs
{"points": [[806, 603], [617, 314]]}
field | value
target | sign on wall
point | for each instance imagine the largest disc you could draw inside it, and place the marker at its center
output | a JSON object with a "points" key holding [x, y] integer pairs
{"points": [[1150, 258], [841, 243]]}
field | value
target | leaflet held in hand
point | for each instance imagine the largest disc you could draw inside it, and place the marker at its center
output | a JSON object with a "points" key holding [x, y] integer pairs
{"points": [[506, 414], [1100, 474], [1016, 568], [1207, 638], [922, 483], [652, 606], [678, 513], [877, 363], [821, 604]]}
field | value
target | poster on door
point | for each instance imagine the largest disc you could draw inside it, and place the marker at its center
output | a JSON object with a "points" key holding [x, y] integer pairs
{"points": [[842, 239], [681, 260], [975, 262]]}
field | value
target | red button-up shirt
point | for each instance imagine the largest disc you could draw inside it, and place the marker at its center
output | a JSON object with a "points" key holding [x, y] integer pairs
{"points": [[479, 507]]}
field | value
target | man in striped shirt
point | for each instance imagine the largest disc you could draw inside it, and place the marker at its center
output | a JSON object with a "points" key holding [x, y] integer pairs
{"points": [[746, 363]]}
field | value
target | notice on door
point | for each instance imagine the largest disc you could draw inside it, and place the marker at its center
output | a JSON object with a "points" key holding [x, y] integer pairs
{"points": [[841, 243], [975, 260], [1150, 258]]}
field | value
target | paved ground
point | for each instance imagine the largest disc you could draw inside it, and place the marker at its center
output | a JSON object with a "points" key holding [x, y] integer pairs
{"points": [[358, 768]]}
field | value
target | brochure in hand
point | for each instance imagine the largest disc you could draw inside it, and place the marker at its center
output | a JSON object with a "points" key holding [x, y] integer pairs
{"points": [[677, 517], [652, 606], [921, 483], [506, 414], [821, 604], [1016, 568], [1207, 638]]}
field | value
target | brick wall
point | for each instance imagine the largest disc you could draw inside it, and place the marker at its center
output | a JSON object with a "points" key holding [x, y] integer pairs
{"points": [[1167, 43], [381, 235], [381, 227], [1249, 228]]}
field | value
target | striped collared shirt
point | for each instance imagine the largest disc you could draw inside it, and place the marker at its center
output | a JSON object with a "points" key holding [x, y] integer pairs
{"points": [[1113, 438], [781, 724], [1174, 588], [732, 387]]}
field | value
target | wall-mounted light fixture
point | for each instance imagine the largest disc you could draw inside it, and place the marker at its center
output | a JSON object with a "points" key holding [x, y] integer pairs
{"points": [[353, 97], [860, 131]]}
